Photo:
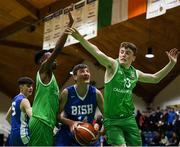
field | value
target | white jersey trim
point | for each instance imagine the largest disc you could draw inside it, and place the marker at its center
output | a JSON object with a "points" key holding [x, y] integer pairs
{"points": [[24, 129], [82, 98], [39, 78], [117, 64]]}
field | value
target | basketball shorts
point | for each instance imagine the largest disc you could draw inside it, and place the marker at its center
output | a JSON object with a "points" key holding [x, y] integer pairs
{"points": [[40, 133], [122, 131]]}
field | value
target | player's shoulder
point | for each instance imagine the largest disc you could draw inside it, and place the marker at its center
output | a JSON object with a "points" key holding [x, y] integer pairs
{"points": [[18, 97], [25, 100], [69, 87], [93, 89]]}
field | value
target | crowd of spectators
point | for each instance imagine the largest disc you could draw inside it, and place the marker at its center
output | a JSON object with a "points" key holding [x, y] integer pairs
{"points": [[159, 127]]}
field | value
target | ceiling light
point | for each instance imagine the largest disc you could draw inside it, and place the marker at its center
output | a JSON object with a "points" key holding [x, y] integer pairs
{"points": [[149, 53]]}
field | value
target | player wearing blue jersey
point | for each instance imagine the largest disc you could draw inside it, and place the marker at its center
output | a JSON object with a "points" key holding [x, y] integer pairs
{"points": [[77, 103], [19, 113]]}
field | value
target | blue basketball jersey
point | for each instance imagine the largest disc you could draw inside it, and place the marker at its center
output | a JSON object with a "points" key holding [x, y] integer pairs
{"points": [[77, 109], [19, 123]]}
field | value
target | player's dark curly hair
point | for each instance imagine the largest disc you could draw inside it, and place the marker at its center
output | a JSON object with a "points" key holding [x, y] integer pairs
{"points": [[39, 54]]}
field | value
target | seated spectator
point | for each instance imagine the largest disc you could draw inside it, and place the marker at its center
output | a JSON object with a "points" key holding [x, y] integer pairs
{"points": [[163, 140], [173, 141]]}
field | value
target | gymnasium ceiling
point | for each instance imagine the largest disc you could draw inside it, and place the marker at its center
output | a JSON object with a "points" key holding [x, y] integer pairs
{"points": [[19, 40]]}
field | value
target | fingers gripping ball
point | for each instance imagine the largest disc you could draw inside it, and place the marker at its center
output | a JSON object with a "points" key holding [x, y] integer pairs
{"points": [[85, 134]]}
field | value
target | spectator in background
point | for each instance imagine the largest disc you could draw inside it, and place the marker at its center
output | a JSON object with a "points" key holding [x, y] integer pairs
{"points": [[139, 119], [177, 127], [163, 140], [171, 117], [99, 121], [173, 141]]}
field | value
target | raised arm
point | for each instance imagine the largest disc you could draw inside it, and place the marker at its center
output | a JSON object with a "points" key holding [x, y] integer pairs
{"points": [[59, 45], [92, 49], [158, 76]]}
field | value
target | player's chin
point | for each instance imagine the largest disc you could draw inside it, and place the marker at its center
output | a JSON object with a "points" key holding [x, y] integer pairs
{"points": [[122, 61], [30, 93], [87, 81]]}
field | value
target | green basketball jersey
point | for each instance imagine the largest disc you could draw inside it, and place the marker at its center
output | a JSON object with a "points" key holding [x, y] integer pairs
{"points": [[46, 101], [118, 101]]}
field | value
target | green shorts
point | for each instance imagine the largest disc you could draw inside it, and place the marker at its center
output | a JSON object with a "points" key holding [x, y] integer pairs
{"points": [[122, 131], [40, 133]]}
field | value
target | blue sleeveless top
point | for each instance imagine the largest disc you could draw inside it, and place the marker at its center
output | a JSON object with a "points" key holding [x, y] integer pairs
{"points": [[78, 108], [19, 121]]}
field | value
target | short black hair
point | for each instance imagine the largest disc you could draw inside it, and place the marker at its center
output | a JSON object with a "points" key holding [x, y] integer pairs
{"points": [[25, 80], [39, 54], [130, 46], [77, 67]]}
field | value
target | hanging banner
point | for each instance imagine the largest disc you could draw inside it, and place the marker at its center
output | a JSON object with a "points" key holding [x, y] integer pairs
{"points": [[159, 7], [155, 8], [85, 15], [91, 18], [79, 20], [172, 3], [57, 27], [48, 32]]}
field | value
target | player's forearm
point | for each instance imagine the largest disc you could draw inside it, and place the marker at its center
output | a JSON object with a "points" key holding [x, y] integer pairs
{"points": [[163, 72], [65, 121], [93, 50], [60, 43], [62, 40]]}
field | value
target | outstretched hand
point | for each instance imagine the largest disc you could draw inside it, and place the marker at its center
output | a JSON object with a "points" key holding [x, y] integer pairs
{"points": [[173, 55], [74, 33]]}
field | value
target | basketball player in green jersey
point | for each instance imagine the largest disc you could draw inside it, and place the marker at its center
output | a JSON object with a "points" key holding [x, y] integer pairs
{"points": [[120, 79], [46, 102]]}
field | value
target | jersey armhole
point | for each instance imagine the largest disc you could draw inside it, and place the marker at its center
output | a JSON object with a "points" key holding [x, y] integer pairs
{"points": [[137, 74], [113, 74], [39, 78]]}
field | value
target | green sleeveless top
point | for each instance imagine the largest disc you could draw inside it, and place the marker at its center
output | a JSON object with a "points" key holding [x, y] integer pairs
{"points": [[46, 101], [118, 101]]}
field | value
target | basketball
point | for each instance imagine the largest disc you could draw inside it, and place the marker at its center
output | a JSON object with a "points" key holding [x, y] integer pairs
{"points": [[85, 133]]}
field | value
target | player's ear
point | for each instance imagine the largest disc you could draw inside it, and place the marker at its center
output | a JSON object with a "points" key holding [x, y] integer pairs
{"points": [[134, 58], [21, 86], [75, 77]]}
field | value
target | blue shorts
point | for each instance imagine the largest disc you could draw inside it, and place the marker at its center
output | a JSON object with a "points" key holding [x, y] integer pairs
{"points": [[16, 140]]}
